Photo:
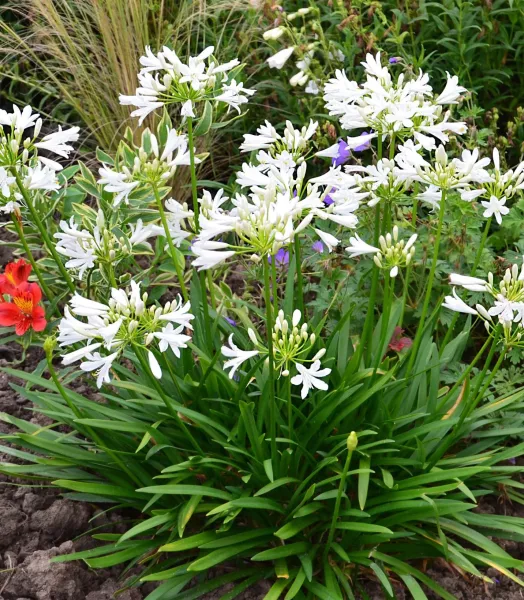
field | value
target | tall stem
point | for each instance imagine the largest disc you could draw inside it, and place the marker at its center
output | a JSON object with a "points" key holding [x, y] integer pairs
{"points": [[20, 230], [420, 329], [191, 143], [196, 210], [341, 487], [271, 383], [43, 232], [169, 239], [410, 266], [478, 257], [386, 311], [274, 288], [300, 284]]}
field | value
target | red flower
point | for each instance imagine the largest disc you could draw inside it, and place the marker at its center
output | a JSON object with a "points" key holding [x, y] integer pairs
{"points": [[15, 278], [397, 342], [23, 311]]}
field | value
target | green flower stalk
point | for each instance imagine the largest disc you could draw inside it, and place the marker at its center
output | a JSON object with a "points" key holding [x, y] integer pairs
{"points": [[352, 443]]}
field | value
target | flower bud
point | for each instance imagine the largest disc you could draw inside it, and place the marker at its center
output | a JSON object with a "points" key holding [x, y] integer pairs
{"points": [[274, 34], [319, 354], [38, 127], [352, 441], [49, 345]]}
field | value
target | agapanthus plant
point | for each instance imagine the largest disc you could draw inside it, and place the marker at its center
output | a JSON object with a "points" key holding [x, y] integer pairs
{"points": [[307, 442]]}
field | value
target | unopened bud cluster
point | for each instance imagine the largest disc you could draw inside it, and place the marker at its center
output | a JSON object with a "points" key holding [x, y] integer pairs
{"points": [[394, 253], [292, 341]]}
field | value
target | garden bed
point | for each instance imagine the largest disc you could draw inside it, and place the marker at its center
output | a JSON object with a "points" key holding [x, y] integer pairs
{"points": [[37, 524]]}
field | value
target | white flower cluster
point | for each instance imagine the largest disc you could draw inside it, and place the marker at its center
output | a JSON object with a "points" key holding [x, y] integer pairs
{"points": [[459, 174], [392, 253], [153, 161], [500, 188], [164, 79], [279, 204], [508, 301], [291, 345], [20, 155], [286, 150], [382, 180], [404, 108], [108, 329], [85, 248]]}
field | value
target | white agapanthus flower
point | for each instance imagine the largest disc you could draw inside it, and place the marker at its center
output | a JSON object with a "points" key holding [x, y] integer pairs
{"points": [[502, 186], [152, 162], [41, 177], [125, 321], [507, 299], [24, 168], [236, 357], [405, 108], [460, 174], [292, 343], [276, 208], [58, 142], [20, 120], [274, 147], [505, 184], [24, 149], [6, 183], [310, 378], [87, 248], [495, 207], [380, 180], [391, 253], [164, 79]]}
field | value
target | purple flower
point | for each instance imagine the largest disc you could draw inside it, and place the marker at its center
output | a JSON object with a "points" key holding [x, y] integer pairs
{"points": [[364, 146], [343, 154], [318, 246], [232, 322], [512, 461], [281, 258], [394, 60]]}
